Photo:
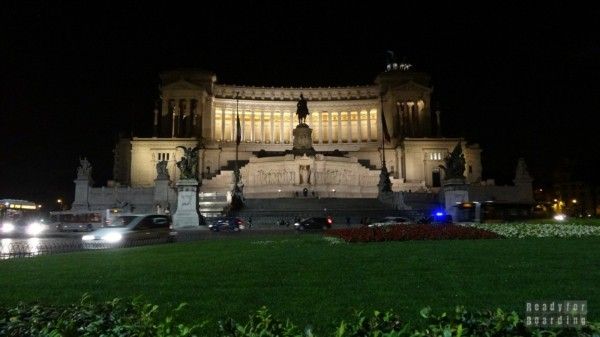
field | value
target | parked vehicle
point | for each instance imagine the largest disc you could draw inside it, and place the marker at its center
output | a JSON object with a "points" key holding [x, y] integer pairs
{"points": [[131, 228], [314, 223], [228, 224]]}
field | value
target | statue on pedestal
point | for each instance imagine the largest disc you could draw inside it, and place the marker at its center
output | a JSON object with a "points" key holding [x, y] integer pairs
{"points": [[455, 164], [188, 163], [85, 168], [302, 110], [161, 170]]}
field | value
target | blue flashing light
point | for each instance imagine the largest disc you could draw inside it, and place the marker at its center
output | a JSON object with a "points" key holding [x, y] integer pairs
{"points": [[438, 214]]}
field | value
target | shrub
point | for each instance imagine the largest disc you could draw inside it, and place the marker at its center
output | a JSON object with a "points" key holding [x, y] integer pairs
{"points": [[134, 318], [111, 318]]}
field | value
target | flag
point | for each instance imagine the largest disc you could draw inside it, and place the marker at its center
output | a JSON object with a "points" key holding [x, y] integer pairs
{"points": [[386, 133], [238, 136]]}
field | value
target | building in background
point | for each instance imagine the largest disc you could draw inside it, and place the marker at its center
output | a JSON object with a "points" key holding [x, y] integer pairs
{"points": [[347, 131]]}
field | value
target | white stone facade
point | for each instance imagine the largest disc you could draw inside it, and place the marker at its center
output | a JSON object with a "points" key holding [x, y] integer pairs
{"points": [[197, 110]]}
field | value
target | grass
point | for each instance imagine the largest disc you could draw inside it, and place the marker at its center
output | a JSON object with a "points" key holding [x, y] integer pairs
{"points": [[307, 279]]}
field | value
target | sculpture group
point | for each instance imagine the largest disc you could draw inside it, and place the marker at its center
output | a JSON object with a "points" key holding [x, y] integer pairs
{"points": [[455, 164], [188, 163]]}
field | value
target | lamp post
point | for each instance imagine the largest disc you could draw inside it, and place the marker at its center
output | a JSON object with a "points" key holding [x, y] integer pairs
{"points": [[60, 204], [384, 184]]}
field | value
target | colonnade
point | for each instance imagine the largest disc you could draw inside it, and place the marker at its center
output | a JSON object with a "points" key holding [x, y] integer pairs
{"points": [[275, 127], [409, 117], [179, 118]]}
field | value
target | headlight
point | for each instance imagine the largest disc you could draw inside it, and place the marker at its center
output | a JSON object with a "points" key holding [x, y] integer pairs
{"points": [[7, 227], [560, 217], [112, 237], [297, 224], [34, 228]]}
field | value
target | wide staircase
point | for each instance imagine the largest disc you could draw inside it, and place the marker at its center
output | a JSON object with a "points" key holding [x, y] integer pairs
{"points": [[270, 212]]}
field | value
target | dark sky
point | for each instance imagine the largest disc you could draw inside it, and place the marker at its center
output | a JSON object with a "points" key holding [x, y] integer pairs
{"points": [[520, 81]]}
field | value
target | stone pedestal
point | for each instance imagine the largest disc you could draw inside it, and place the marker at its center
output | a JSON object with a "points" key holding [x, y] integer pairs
{"points": [[187, 204], [161, 194], [82, 191], [454, 191], [303, 140]]}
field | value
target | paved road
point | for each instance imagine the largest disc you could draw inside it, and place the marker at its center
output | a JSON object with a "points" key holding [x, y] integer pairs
{"points": [[59, 242]]}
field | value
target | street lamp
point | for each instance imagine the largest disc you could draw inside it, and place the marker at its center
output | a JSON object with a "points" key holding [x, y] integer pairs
{"points": [[60, 204]]}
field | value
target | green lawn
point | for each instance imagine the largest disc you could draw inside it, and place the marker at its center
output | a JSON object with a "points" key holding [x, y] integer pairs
{"points": [[309, 280]]}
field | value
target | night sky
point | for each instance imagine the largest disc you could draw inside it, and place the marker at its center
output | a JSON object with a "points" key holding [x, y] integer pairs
{"points": [[521, 82]]}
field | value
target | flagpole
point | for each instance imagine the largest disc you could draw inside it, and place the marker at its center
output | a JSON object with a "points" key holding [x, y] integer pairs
{"points": [[384, 184], [382, 133], [237, 138]]}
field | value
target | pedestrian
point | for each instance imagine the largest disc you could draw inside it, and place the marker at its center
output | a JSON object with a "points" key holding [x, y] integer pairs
{"points": [[347, 221], [250, 222]]}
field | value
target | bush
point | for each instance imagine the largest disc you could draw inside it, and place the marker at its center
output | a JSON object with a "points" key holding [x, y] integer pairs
{"points": [[134, 318], [87, 319]]}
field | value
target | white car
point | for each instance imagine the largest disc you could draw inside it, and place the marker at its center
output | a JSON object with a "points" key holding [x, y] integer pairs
{"points": [[390, 221], [131, 229]]}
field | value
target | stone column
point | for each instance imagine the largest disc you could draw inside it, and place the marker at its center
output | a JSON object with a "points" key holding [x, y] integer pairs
{"points": [[415, 119], [243, 124], [281, 136], [172, 114], [272, 122], [320, 121], [222, 126], [339, 126], [251, 126], [262, 127], [359, 127], [369, 125], [349, 126], [330, 133]]}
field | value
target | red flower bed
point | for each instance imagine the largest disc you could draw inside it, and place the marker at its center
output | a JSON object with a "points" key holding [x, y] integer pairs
{"points": [[411, 232]]}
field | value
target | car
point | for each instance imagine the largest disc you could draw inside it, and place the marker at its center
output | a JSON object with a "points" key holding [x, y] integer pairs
{"points": [[228, 224], [131, 229], [23, 227], [389, 221], [314, 223]]}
